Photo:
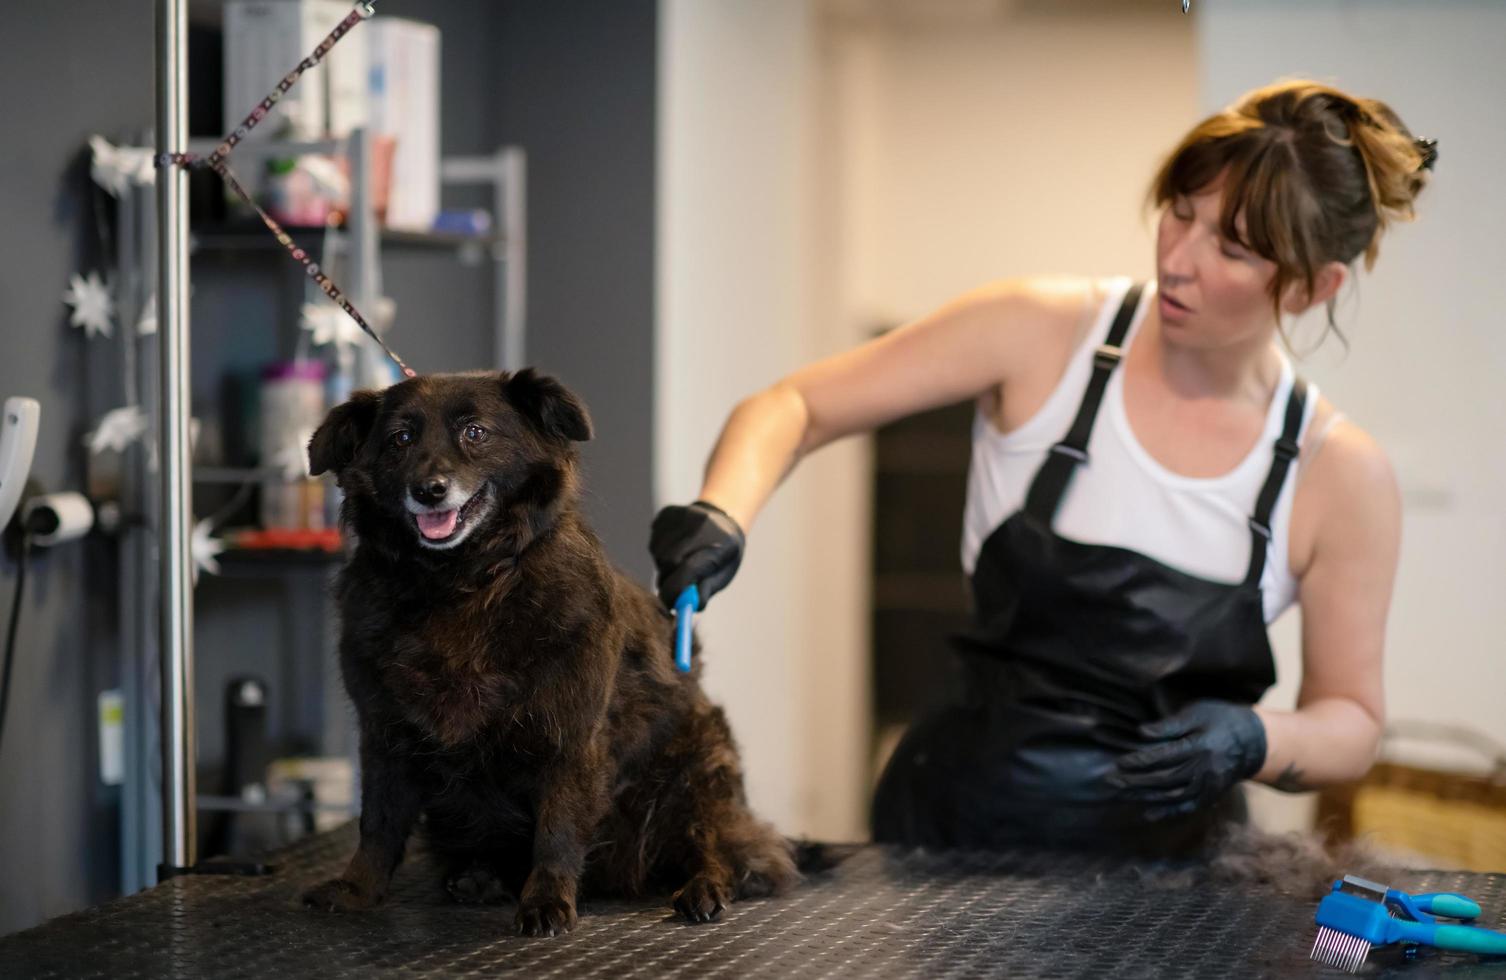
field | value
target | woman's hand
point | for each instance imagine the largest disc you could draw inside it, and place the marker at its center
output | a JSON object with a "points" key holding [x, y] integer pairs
{"points": [[1201, 752], [698, 545]]}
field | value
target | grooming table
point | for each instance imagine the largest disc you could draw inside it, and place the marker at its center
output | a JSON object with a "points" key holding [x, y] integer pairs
{"points": [[882, 913]]}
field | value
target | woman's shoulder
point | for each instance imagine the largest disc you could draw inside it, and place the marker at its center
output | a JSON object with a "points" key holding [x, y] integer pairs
{"points": [[1045, 293], [1347, 489], [1038, 321], [1336, 449], [1057, 309]]}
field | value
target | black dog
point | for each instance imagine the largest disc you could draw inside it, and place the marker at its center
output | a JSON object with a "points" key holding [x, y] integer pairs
{"points": [[513, 687]]}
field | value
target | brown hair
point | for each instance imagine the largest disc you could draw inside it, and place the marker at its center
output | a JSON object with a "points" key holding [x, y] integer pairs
{"points": [[1316, 173]]}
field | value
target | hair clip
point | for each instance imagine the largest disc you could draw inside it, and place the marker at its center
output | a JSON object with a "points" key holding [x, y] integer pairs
{"points": [[1429, 150]]}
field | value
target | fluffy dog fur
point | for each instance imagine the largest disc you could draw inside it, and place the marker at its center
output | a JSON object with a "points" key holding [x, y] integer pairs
{"points": [[1295, 863], [512, 687]]}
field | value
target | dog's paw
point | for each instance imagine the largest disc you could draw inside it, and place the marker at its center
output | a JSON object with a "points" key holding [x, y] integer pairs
{"points": [[338, 895], [476, 886], [702, 899], [545, 916]]}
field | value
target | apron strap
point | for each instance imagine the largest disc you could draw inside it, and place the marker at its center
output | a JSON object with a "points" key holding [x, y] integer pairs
{"points": [[1284, 451], [1055, 473]]}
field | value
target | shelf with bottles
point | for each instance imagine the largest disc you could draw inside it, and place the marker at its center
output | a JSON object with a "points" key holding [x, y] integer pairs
{"points": [[331, 187], [257, 506], [252, 551], [241, 521], [254, 237]]}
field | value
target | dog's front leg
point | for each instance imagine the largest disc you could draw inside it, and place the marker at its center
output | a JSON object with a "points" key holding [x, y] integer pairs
{"points": [[390, 803], [571, 802]]}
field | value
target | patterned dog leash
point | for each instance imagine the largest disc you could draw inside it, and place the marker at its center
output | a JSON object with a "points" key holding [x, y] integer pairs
{"points": [[218, 162]]}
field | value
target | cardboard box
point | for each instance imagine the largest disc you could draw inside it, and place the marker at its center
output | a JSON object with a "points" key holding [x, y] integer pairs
{"points": [[266, 39], [403, 86]]}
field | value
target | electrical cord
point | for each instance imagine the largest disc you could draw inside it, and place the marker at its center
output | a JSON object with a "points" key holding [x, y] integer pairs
{"points": [[10, 633]]}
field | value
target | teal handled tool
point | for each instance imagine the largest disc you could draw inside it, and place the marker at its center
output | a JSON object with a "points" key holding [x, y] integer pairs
{"points": [[1359, 915], [685, 607]]}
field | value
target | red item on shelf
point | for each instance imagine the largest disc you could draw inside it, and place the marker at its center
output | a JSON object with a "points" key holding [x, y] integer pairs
{"points": [[289, 539]]}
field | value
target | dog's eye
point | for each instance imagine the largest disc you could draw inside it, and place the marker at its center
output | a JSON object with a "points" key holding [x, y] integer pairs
{"points": [[474, 432], [401, 438]]}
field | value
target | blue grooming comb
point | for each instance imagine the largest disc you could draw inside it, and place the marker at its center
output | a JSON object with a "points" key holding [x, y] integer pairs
{"points": [[685, 607], [1359, 915]]}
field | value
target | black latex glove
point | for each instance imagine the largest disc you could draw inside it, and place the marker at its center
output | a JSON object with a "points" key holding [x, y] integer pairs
{"points": [[698, 545], [1200, 752]]}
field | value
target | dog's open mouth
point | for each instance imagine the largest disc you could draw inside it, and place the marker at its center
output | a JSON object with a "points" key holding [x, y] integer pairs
{"points": [[439, 527]]}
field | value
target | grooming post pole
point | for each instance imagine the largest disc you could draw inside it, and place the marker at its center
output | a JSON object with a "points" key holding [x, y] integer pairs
{"points": [[175, 557]]}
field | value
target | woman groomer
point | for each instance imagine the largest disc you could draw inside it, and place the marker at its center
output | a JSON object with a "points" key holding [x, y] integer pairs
{"points": [[1150, 486]]}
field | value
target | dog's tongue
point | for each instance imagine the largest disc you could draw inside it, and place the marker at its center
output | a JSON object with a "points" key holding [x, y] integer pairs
{"points": [[437, 525]]}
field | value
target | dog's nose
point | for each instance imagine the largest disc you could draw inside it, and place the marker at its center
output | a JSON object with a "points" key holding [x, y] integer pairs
{"points": [[431, 491]]}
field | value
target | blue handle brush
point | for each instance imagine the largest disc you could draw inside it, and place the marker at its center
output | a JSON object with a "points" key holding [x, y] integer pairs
{"points": [[1359, 915], [685, 607]]}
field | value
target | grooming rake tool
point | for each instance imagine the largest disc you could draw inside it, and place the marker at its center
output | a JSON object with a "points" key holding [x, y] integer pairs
{"points": [[1359, 915], [685, 606]]}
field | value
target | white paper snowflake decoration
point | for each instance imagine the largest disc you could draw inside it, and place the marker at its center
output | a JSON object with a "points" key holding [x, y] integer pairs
{"points": [[205, 548], [92, 305], [116, 168], [329, 324], [292, 460], [383, 312], [117, 429], [147, 323]]}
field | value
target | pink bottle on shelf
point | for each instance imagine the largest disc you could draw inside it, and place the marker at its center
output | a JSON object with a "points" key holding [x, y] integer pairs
{"points": [[292, 406]]}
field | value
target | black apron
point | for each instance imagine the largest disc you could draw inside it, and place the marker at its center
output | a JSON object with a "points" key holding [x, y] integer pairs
{"points": [[1072, 647]]}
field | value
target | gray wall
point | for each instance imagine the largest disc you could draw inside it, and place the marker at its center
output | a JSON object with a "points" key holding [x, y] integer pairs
{"points": [[69, 76], [572, 82], [577, 91]]}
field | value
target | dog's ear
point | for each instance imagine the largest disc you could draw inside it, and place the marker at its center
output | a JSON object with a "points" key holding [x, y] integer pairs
{"points": [[339, 438], [549, 405]]}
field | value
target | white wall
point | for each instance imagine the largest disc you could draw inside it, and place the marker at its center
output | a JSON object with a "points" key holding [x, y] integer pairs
{"points": [[742, 277], [1005, 146], [1426, 327]]}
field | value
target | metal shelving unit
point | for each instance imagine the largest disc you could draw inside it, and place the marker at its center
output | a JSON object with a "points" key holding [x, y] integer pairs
{"points": [[362, 238], [255, 237]]}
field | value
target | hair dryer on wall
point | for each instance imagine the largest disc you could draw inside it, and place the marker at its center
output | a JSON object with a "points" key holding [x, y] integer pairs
{"points": [[18, 441]]}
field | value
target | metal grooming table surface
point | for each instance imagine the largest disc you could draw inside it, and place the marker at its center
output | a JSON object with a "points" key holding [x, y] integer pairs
{"points": [[882, 913]]}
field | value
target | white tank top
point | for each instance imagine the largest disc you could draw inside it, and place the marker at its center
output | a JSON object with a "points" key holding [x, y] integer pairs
{"points": [[1122, 496]]}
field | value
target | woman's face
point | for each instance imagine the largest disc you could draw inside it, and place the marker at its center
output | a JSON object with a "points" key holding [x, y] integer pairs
{"points": [[1212, 291]]}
